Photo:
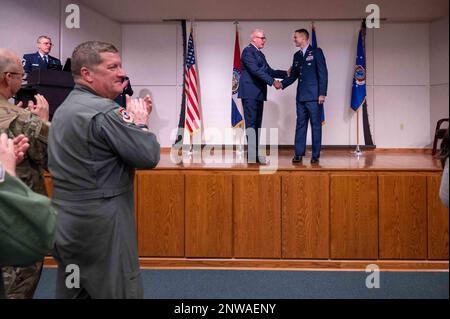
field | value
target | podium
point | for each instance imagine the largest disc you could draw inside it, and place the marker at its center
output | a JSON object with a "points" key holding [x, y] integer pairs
{"points": [[54, 85]]}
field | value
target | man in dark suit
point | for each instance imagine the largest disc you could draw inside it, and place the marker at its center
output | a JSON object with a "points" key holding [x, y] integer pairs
{"points": [[42, 58], [128, 90], [256, 75], [310, 68]]}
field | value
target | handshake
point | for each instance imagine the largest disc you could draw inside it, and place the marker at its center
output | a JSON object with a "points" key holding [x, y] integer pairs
{"points": [[277, 85]]}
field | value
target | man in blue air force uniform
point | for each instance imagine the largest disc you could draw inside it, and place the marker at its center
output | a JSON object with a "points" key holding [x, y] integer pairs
{"points": [[310, 69], [42, 58], [256, 76]]}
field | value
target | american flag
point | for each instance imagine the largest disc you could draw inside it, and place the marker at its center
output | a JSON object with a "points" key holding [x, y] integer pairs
{"points": [[192, 103]]}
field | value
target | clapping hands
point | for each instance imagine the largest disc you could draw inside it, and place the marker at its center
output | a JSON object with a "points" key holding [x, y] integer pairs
{"points": [[40, 108], [12, 152]]}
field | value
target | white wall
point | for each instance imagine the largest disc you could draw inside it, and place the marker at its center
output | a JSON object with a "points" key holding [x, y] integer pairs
{"points": [[152, 57], [439, 69], [215, 60], [401, 85], [93, 26], [398, 77], [19, 29], [407, 78]]}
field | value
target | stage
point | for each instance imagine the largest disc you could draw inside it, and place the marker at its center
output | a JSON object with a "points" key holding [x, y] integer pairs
{"points": [[347, 212]]}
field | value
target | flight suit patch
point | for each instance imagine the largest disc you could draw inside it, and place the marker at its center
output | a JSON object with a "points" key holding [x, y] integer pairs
{"points": [[125, 115]]}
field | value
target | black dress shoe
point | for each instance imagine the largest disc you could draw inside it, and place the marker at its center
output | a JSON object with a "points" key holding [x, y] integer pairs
{"points": [[314, 160], [297, 159], [262, 160]]}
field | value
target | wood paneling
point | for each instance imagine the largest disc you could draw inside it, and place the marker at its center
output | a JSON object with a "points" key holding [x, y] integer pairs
{"points": [[257, 216], [345, 213], [209, 215], [354, 216], [160, 209], [403, 216], [437, 221], [305, 209], [271, 264]]}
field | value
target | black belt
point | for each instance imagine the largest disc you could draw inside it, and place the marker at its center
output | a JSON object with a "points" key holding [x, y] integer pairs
{"points": [[77, 195]]}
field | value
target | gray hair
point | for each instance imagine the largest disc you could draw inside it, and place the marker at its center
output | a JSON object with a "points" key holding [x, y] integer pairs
{"points": [[87, 55], [8, 61], [43, 37]]}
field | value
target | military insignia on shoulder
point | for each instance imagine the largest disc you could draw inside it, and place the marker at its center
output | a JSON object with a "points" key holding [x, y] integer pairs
{"points": [[125, 115], [360, 75]]}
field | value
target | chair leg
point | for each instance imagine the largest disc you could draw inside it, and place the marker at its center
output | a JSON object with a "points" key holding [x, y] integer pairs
{"points": [[434, 146]]}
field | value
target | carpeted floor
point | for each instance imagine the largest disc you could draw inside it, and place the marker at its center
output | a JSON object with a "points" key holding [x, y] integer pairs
{"points": [[243, 284]]}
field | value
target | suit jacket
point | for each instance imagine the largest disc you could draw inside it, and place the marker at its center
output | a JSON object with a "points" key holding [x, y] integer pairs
{"points": [[33, 61], [122, 99], [256, 74], [312, 75]]}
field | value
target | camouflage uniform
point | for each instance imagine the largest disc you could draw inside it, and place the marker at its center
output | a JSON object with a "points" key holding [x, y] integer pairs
{"points": [[21, 282]]}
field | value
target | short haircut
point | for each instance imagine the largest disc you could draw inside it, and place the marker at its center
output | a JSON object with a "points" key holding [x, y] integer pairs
{"points": [[87, 55], [43, 37], [254, 32], [303, 31], [8, 61]]}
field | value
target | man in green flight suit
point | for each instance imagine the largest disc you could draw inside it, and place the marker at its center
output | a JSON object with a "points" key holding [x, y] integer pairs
{"points": [[94, 148], [27, 221], [21, 282]]}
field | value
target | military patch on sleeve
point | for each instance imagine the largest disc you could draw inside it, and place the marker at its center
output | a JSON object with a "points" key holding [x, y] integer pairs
{"points": [[24, 62], [125, 115]]}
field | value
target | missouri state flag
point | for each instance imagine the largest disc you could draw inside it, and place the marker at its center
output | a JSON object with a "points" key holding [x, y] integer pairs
{"points": [[359, 76], [236, 106]]}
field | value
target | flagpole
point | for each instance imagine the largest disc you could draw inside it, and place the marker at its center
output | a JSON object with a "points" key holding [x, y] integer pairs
{"points": [[239, 130], [358, 151], [191, 139]]}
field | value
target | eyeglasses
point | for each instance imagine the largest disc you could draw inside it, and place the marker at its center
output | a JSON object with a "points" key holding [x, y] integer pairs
{"points": [[15, 73], [46, 43], [262, 38]]}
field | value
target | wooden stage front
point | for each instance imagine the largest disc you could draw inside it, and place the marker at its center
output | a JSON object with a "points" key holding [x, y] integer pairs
{"points": [[346, 213]]}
